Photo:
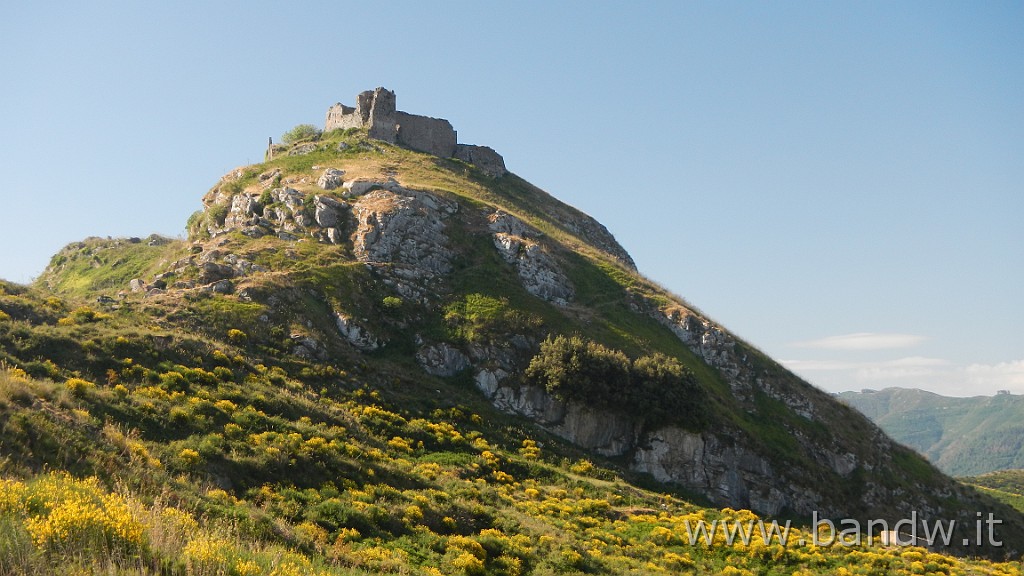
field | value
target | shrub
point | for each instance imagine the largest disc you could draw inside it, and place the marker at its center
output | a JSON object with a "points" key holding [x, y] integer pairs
{"points": [[82, 315], [665, 390], [655, 387], [577, 369], [300, 133], [188, 457], [79, 387], [219, 213], [173, 381]]}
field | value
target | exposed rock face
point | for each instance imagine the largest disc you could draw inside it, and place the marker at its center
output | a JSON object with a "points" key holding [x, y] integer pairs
{"points": [[442, 359], [302, 149], [604, 433], [356, 335], [400, 234], [328, 211], [540, 274], [286, 216], [486, 159], [361, 186], [331, 179]]}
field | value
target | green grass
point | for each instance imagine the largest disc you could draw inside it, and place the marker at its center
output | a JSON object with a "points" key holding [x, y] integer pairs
{"points": [[106, 266]]}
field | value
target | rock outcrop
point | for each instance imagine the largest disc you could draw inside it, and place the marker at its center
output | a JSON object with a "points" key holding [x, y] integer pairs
{"points": [[518, 245], [400, 234]]}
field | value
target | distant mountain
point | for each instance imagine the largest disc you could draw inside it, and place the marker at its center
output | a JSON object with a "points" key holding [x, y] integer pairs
{"points": [[962, 436]]}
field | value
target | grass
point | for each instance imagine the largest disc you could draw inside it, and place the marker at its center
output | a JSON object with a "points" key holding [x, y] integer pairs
{"points": [[96, 266]]}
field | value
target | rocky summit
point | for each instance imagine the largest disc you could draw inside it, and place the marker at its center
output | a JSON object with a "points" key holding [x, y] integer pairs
{"points": [[394, 317]]}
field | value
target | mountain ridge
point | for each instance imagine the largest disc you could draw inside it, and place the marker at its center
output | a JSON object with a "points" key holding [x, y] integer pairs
{"points": [[962, 436]]}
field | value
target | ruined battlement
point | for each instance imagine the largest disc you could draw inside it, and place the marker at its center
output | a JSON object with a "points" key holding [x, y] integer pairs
{"points": [[375, 110]]}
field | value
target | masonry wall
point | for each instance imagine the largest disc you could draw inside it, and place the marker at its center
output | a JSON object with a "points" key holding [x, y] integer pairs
{"points": [[431, 135], [375, 110], [342, 117]]}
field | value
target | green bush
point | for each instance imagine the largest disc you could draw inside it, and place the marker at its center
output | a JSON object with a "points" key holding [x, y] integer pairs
{"points": [[654, 387], [300, 133]]}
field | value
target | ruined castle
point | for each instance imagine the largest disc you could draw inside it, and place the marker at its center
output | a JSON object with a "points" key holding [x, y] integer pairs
{"points": [[375, 110]]}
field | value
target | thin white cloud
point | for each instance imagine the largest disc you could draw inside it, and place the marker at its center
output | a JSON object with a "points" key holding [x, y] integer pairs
{"points": [[932, 374], [1003, 376], [817, 365], [863, 341], [903, 369]]}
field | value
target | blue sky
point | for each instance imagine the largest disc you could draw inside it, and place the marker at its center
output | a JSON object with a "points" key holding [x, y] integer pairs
{"points": [[838, 183]]}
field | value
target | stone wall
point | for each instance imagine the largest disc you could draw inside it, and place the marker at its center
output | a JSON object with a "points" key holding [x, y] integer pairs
{"points": [[341, 117], [483, 157], [431, 135]]}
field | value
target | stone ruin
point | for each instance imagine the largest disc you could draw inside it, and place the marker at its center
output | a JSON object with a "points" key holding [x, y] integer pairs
{"points": [[375, 111]]}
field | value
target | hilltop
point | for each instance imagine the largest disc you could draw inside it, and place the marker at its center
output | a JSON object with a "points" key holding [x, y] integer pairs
{"points": [[961, 436], [377, 353]]}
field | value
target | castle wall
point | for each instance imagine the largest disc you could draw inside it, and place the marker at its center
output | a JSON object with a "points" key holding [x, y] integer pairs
{"points": [[431, 135], [382, 116], [483, 157], [342, 117], [375, 110]]}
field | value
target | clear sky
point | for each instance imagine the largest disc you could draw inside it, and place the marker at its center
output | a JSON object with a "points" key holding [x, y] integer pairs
{"points": [[839, 183]]}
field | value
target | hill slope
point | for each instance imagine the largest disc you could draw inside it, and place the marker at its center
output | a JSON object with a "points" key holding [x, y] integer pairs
{"points": [[961, 436], [370, 375], [1006, 486]]}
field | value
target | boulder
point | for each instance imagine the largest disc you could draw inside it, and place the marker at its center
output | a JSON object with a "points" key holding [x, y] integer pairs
{"points": [[212, 272], [361, 186], [242, 212], [269, 175], [218, 287], [356, 335], [330, 179], [302, 149], [328, 211]]}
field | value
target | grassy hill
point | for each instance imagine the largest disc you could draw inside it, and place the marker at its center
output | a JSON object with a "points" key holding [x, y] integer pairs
{"points": [[962, 436], [161, 415], [1005, 485]]}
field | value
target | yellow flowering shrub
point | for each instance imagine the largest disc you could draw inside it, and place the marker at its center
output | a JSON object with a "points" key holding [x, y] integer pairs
{"points": [[65, 512], [79, 387]]}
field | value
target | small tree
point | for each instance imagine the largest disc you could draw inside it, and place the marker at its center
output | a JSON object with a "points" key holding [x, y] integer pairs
{"points": [[300, 133], [655, 387], [574, 368]]}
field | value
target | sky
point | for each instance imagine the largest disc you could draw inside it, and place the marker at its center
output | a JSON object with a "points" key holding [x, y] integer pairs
{"points": [[838, 183]]}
